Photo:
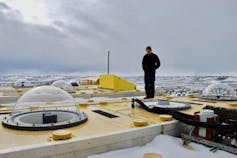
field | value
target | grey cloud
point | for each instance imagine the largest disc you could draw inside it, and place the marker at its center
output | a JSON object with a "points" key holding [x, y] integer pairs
{"points": [[4, 6], [196, 37], [30, 47]]}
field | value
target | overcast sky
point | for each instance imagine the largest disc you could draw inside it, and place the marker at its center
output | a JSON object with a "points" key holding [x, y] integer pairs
{"points": [[191, 37]]}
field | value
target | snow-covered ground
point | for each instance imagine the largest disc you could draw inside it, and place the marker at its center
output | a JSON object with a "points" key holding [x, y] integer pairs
{"points": [[190, 82], [168, 147]]}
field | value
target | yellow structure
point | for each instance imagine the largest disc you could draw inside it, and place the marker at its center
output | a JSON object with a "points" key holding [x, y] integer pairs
{"points": [[116, 83], [140, 122], [232, 105], [103, 103], [190, 95], [90, 81], [83, 105], [166, 117], [152, 155], [62, 134], [169, 97]]}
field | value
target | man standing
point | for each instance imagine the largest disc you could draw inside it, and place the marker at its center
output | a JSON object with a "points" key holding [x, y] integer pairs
{"points": [[150, 63]]}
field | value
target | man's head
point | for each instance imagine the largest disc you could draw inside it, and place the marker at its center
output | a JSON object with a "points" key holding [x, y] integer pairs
{"points": [[148, 50]]}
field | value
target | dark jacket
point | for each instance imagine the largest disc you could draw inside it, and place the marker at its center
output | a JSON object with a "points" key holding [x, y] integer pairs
{"points": [[149, 64]]}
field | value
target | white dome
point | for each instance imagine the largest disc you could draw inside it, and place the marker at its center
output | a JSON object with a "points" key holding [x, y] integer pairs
{"points": [[63, 85], [45, 94], [22, 83], [219, 90], [44, 108], [46, 97]]}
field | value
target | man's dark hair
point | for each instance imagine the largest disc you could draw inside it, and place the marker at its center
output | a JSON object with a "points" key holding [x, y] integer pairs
{"points": [[148, 48]]}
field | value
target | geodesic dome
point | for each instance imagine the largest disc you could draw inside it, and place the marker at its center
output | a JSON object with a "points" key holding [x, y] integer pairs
{"points": [[43, 108], [63, 85], [22, 83], [219, 91]]}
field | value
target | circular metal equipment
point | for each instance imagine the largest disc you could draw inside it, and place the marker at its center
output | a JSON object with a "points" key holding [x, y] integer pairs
{"points": [[219, 91], [44, 120], [44, 108], [166, 104]]}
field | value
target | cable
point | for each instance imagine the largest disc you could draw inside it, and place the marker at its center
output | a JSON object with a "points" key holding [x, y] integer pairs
{"points": [[187, 119]]}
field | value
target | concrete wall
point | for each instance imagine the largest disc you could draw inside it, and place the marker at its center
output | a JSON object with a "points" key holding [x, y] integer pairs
{"points": [[81, 148]]}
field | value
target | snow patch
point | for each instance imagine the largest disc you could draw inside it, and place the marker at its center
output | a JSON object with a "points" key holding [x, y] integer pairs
{"points": [[168, 147]]}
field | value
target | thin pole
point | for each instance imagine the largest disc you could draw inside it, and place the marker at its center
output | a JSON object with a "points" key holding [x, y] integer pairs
{"points": [[108, 61]]}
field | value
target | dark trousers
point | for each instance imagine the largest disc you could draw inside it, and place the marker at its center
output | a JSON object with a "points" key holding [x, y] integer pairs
{"points": [[149, 86]]}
